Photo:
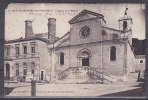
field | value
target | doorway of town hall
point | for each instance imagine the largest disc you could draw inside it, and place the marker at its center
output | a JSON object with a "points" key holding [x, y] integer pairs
{"points": [[84, 57], [7, 72]]}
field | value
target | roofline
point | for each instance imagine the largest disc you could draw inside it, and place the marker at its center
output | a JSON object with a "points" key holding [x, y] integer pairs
{"points": [[85, 11], [132, 49], [87, 20], [26, 39], [91, 12], [111, 28], [140, 56], [62, 36]]}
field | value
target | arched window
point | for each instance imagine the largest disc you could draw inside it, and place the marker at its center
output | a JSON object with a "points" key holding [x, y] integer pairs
{"points": [[113, 53], [124, 25], [104, 35], [104, 32], [61, 58]]}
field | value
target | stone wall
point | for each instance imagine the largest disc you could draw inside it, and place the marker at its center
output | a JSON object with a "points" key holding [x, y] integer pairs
{"points": [[94, 35], [113, 67], [100, 57], [130, 59], [40, 58]]}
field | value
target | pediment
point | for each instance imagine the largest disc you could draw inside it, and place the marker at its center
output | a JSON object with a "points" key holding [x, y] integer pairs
{"points": [[85, 15]]}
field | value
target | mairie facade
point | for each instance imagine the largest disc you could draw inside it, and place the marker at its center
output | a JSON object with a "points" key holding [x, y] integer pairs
{"points": [[90, 51]]}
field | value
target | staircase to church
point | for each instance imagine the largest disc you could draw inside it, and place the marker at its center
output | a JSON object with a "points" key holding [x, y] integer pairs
{"points": [[84, 74]]}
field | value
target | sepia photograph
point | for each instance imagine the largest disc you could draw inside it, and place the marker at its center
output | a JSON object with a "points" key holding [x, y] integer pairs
{"points": [[74, 50]]}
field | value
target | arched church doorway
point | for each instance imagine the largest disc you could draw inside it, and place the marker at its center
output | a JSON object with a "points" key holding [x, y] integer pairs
{"points": [[84, 57], [7, 72]]}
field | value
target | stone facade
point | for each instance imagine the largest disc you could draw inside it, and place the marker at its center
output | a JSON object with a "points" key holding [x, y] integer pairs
{"points": [[88, 43], [98, 45], [30, 62]]}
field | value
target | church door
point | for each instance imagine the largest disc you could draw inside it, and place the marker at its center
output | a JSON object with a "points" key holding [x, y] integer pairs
{"points": [[85, 62], [7, 71], [84, 57]]}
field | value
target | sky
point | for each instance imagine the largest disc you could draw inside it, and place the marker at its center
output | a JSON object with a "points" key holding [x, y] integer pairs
{"points": [[17, 13]]}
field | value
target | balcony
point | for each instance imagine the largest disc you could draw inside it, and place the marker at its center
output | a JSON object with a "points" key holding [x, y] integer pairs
{"points": [[32, 55], [8, 58], [21, 56]]}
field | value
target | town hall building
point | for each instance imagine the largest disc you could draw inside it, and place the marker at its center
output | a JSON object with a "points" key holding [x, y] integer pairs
{"points": [[90, 51]]}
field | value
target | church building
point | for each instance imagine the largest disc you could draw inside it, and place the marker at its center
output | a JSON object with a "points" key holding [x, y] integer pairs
{"points": [[90, 51]]}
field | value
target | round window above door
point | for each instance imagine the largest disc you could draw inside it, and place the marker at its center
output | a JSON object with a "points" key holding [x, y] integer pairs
{"points": [[84, 32]]}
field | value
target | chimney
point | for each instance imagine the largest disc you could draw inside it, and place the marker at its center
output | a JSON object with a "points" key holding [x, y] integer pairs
{"points": [[51, 28], [28, 29]]}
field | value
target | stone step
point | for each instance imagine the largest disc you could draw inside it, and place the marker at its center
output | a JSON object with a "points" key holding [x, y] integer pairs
{"points": [[78, 75]]}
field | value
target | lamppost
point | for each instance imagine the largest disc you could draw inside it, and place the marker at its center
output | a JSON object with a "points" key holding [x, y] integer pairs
{"points": [[33, 86]]}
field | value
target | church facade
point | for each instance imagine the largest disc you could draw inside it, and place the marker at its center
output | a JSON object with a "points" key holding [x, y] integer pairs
{"points": [[89, 51]]}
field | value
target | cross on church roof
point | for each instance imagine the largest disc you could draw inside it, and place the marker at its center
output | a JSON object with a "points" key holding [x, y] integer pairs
{"points": [[126, 11]]}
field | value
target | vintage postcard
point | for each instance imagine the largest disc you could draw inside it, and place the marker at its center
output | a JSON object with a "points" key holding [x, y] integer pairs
{"points": [[74, 50]]}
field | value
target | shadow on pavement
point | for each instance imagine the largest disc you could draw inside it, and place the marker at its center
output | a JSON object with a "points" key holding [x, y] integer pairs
{"points": [[8, 90], [134, 92]]}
